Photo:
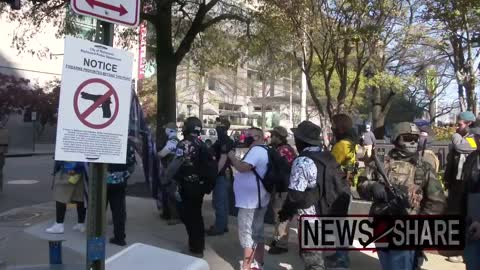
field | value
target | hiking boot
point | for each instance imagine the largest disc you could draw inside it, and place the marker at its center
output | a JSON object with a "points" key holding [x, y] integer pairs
{"points": [[212, 231], [195, 253], [79, 227], [455, 259], [165, 216], [56, 228], [172, 222], [337, 262], [118, 242], [277, 250]]}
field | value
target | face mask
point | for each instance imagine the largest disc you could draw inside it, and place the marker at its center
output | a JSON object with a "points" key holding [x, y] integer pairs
{"points": [[170, 132], [249, 140], [408, 144], [336, 133]]}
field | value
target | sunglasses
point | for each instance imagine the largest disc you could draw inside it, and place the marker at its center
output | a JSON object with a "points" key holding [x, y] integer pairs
{"points": [[409, 138]]}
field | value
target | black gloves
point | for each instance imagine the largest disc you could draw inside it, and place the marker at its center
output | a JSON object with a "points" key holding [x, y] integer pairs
{"points": [[379, 193], [286, 213]]}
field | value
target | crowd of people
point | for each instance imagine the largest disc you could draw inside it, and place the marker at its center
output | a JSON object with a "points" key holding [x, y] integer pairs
{"points": [[311, 178], [69, 183]]}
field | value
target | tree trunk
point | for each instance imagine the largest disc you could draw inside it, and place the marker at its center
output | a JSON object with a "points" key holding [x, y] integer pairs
{"points": [[201, 93], [470, 93], [461, 98], [432, 111], [380, 107], [342, 64], [379, 126], [378, 119], [264, 90], [166, 73]]}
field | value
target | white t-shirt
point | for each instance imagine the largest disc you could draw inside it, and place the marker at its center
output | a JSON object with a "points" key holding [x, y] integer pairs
{"points": [[245, 184]]}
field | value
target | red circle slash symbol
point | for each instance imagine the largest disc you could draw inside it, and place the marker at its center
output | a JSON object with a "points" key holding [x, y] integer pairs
{"points": [[99, 101]]}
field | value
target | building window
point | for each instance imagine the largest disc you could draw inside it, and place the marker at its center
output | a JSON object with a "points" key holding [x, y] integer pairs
{"points": [[211, 83]]}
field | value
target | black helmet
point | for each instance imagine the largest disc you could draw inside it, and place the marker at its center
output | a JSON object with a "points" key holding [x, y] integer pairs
{"points": [[222, 121], [192, 125]]}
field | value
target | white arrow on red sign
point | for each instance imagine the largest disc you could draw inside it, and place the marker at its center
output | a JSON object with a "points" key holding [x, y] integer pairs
{"points": [[126, 12]]}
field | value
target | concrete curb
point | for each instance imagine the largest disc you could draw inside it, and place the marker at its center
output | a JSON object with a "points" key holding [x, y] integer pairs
{"points": [[28, 154]]}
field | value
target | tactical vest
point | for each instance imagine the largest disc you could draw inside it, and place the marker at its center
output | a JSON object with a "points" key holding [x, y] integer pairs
{"points": [[431, 158], [189, 152], [409, 178]]}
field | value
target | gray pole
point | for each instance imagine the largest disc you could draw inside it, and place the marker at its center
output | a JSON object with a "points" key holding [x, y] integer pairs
{"points": [[97, 187]]}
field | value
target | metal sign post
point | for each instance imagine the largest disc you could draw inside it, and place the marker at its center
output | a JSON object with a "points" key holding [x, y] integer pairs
{"points": [[97, 195]]}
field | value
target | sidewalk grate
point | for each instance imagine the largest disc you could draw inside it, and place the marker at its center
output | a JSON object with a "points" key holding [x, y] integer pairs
{"points": [[18, 217]]}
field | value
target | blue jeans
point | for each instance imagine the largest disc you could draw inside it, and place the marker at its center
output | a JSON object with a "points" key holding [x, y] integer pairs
{"points": [[221, 203], [472, 255], [397, 259]]}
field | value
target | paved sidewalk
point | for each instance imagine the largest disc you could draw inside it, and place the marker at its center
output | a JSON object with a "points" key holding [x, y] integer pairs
{"points": [[40, 150], [25, 242]]}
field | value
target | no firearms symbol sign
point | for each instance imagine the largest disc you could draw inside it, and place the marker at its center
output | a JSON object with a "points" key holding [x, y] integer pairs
{"points": [[95, 97]]}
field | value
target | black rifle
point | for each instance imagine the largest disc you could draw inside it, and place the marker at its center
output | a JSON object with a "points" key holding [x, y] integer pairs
{"points": [[107, 113], [397, 201]]}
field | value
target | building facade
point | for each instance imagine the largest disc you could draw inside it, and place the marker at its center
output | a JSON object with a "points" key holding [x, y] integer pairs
{"points": [[242, 96]]}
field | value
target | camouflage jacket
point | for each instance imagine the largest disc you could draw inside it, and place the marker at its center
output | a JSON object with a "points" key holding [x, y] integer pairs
{"points": [[411, 176]]}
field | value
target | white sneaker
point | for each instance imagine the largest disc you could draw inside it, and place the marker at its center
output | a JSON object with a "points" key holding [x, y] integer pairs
{"points": [[256, 266], [80, 227], [56, 228]]}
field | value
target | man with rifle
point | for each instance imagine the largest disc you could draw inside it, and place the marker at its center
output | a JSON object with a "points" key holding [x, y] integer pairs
{"points": [[407, 186]]}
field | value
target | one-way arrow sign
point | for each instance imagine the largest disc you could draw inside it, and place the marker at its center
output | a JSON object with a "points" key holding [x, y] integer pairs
{"points": [[124, 12], [120, 9]]}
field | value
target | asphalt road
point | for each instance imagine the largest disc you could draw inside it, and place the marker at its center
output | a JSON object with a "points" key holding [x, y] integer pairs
{"points": [[24, 193], [36, 170]]}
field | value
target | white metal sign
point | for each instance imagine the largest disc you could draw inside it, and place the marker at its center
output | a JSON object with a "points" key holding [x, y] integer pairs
{"points": [[126, 12], [95, 98]]}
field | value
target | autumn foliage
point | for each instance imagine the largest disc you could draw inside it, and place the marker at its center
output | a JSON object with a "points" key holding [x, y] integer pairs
{"points": [[18, 95]]}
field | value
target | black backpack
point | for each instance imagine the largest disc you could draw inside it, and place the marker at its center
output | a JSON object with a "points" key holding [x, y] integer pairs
{"points": [[277, 176], [334, 191], [208, 169], [201, 163]]}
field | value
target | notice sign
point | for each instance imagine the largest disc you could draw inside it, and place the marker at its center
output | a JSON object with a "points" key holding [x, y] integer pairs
{"points": [[95, 98]]}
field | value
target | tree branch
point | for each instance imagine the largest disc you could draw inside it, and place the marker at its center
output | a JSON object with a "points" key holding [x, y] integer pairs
{"points": [[223, 17]]}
